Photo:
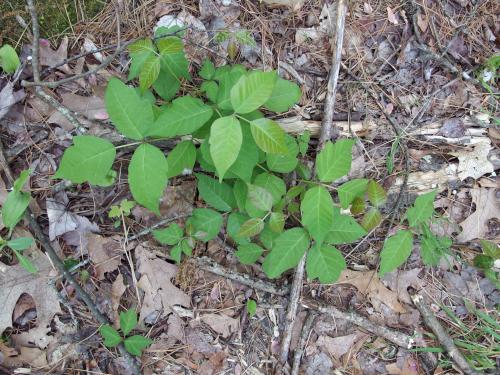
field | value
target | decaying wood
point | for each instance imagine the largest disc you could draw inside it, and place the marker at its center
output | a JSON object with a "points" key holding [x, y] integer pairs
{"points": [[446, 341]]}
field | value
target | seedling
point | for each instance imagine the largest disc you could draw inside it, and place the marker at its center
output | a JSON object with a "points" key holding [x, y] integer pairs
{"points": [[134, 344], [9, 61]]}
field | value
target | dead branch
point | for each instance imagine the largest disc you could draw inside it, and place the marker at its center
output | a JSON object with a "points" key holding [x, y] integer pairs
{"points": [[325, 135], [211, 266], [327, 131], [293, 306], [306, 331], [446, 341], [148, 230]]}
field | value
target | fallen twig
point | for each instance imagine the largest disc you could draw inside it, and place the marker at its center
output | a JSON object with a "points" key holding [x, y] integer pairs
{"points": [[209, 265], [327, 131], [306, 331], [446, 341], [325, 135], [293, 306], [148, 230]]}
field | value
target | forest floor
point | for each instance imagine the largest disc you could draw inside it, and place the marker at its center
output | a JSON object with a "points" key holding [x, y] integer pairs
{"points": [[427, 65]]}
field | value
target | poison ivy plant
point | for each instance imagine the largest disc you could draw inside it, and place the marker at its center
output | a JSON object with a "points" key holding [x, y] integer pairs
{"points": [[222, 135], [133, 344]]}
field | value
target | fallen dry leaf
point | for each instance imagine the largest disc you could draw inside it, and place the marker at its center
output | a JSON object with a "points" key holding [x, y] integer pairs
{"points": [[392, 17], [105, 253], [475, 163], [221, 323], [399, 281], [422, 22], [8, 98], [16, 281], [487, 207], [156, 282], [117, 290], [338, 346], [49, 57], [369, 284], [176, 201], [295, 5], [62, 221], [90, 107]]}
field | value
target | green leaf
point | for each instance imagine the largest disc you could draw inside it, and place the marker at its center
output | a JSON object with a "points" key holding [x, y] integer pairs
{"points": [[14, 207], [490, 248], [136, 344], [166, 85], [273, 184], [210, 88], [376, 193], [173, 59], [288, 249], [287, 162], [142, 46], [88, 159], [251, 307], [218, 195], [9, 61], [110, 335], [357, 206], [267, 237], [432, 247], [225, 143], [247, 158], [240, 193], [128, 112], [245, 37], [277, 222], [206, 223], [234, 222], [350, 190], [325, 263], [149, 72], [227, 79], [483, 261], [25, 262], [184, 116], [396, 251], [21, 180], [176, 253], [170, 235], [269, 136], [334, 161], [251, 227], [128, 321], [260, 197], [344, 229], [252, 90], [304, 139], [249, 253], [371, 219], [147, 176], [181, 159], [317, 212], [422, 209], [21, 243], [207, 70], [285, 94]]}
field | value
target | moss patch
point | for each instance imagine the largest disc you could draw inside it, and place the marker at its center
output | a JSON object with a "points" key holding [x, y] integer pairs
{"points": [[56, 17]]}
